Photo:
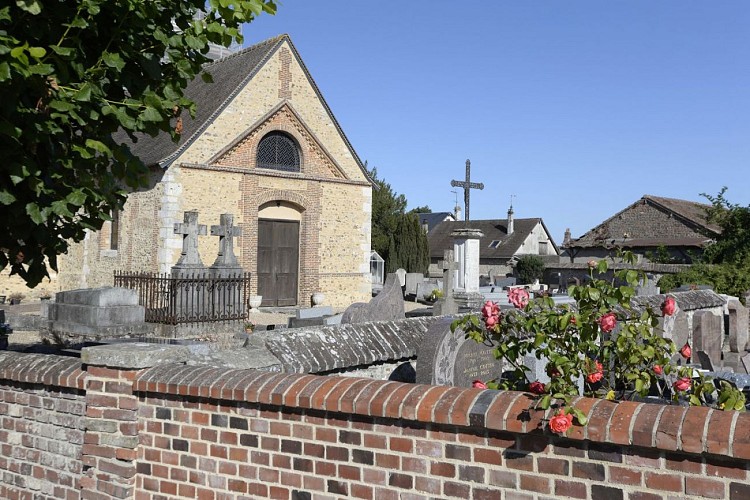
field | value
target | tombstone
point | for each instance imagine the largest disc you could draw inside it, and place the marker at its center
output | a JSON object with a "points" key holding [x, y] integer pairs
{"points": [[738, 326], [676, 328], [447, 358], [746, 362], [97, 313], [388, 305], [705, 360], [228, 298], [708, 335], [189, 259], [401, 273], [447, 304], [648, 287], [411, 281], [538, 371]]}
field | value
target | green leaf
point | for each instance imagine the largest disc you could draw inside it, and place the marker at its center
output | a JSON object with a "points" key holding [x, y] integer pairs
{"points": [[6, 198], [76, 197], [63, 106], [37, 52], [62, 51], [4, 71], [32, 209], [113, 60], [33, 7], [84, 93], [98, 146]]}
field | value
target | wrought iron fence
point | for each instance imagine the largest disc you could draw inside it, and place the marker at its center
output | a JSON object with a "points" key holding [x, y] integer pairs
{"points": [[196, 298]]}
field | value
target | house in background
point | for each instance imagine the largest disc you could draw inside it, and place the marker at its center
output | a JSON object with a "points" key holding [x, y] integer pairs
{"points": [[429, 221], [675, 229], [503, 243]]}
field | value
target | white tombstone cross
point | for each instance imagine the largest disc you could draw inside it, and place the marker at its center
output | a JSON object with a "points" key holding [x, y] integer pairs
{"points": [[401, 273]]}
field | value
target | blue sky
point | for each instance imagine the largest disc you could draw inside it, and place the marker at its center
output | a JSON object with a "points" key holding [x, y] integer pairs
{"points": [[576, 108]]}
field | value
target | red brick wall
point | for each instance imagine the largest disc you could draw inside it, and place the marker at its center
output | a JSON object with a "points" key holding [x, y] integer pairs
{"points": [[214, 434], [42, 406]]}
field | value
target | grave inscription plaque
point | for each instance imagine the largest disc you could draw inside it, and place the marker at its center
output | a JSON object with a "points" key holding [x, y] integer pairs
{"points": [[447, 358]]}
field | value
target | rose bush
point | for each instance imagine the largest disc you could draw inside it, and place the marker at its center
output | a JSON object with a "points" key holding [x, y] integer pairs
{"points": [[617, 352]]}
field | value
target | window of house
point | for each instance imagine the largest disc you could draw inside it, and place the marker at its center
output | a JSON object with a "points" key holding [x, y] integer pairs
{"points": [[494, 243], [114, 234], [278, 151], [543, 248]]}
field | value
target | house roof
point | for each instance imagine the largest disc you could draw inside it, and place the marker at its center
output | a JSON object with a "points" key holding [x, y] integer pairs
{"points": [[494, 230], [690, 213], [230, 75], [433, 219]]}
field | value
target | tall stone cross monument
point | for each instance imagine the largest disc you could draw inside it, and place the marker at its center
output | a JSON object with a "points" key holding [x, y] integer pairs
{"points": [[226, 233], [447, 305], [467, 185], [190, 230]]}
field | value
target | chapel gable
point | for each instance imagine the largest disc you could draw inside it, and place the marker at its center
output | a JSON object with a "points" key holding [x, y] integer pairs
{"points": [[281, 129]]}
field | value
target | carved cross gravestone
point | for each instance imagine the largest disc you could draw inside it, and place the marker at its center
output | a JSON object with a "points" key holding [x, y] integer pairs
{"points": [[226, 233], [190, 230], [447, 305], [467, 185]]}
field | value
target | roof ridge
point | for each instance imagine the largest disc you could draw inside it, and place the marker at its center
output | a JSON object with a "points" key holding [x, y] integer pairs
{"points": [[245, 50]]}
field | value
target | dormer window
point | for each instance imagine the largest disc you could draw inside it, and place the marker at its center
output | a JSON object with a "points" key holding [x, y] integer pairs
{"points": [[278, 151]]}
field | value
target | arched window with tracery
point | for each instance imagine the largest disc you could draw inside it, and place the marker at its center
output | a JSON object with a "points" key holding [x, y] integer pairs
{"points": [[278, 151]]}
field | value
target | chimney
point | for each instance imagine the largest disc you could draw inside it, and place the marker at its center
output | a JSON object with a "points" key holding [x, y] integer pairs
{"points": [[510, 220], [566, 238]]}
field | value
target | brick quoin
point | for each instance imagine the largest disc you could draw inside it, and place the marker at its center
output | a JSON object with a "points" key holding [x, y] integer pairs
{"points": [[148, 437]]}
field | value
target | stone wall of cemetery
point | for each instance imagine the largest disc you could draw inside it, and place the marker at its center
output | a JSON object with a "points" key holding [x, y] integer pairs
{"points": [[176, 431]]}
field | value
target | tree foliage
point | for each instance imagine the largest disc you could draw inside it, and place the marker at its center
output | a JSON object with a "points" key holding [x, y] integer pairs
{"points": [[530, 268], [725, 264], [71, 75], [396, 235]]}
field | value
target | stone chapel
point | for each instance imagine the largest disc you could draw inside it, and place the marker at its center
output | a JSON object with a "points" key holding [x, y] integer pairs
{"points": [[265, 147]]}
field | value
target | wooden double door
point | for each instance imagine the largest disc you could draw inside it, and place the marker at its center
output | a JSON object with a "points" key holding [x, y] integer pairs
{"points": [[278, 262]]}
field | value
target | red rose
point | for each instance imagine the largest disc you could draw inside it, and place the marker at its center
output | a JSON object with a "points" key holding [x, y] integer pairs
{"points": [[490, 321], [682, 384], [561, 422], [597, 375], [686, 351], [667, 308], [537, 387], [658, 369], [552, 371], [607, 322], [478, 384], [519, 297]]}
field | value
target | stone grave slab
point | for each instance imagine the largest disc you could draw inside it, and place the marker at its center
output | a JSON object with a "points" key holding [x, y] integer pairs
{"points": [[447, 358], [388, 305], [314, 312], [738, 326], [411, 281], [708, 335]]}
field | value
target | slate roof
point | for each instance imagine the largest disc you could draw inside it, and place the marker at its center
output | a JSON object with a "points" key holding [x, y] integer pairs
{"points": [[440, 238], [230, 75], [690, 213], [432, 219]]}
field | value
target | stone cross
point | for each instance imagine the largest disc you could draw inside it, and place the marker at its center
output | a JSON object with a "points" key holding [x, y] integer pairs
{"points": [[226, 233], [190, 230], [467, 185], [447, 305]]}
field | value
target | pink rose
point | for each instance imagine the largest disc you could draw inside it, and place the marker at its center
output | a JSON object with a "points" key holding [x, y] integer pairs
{"points": [[592, 264], [682, 384], [667, 308], [686, 351], [607, 322], [561, 422], [490, 309], [597, 375], [490, 321], [478, 384], [537, 387], [658, 369], [519, 297]]}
